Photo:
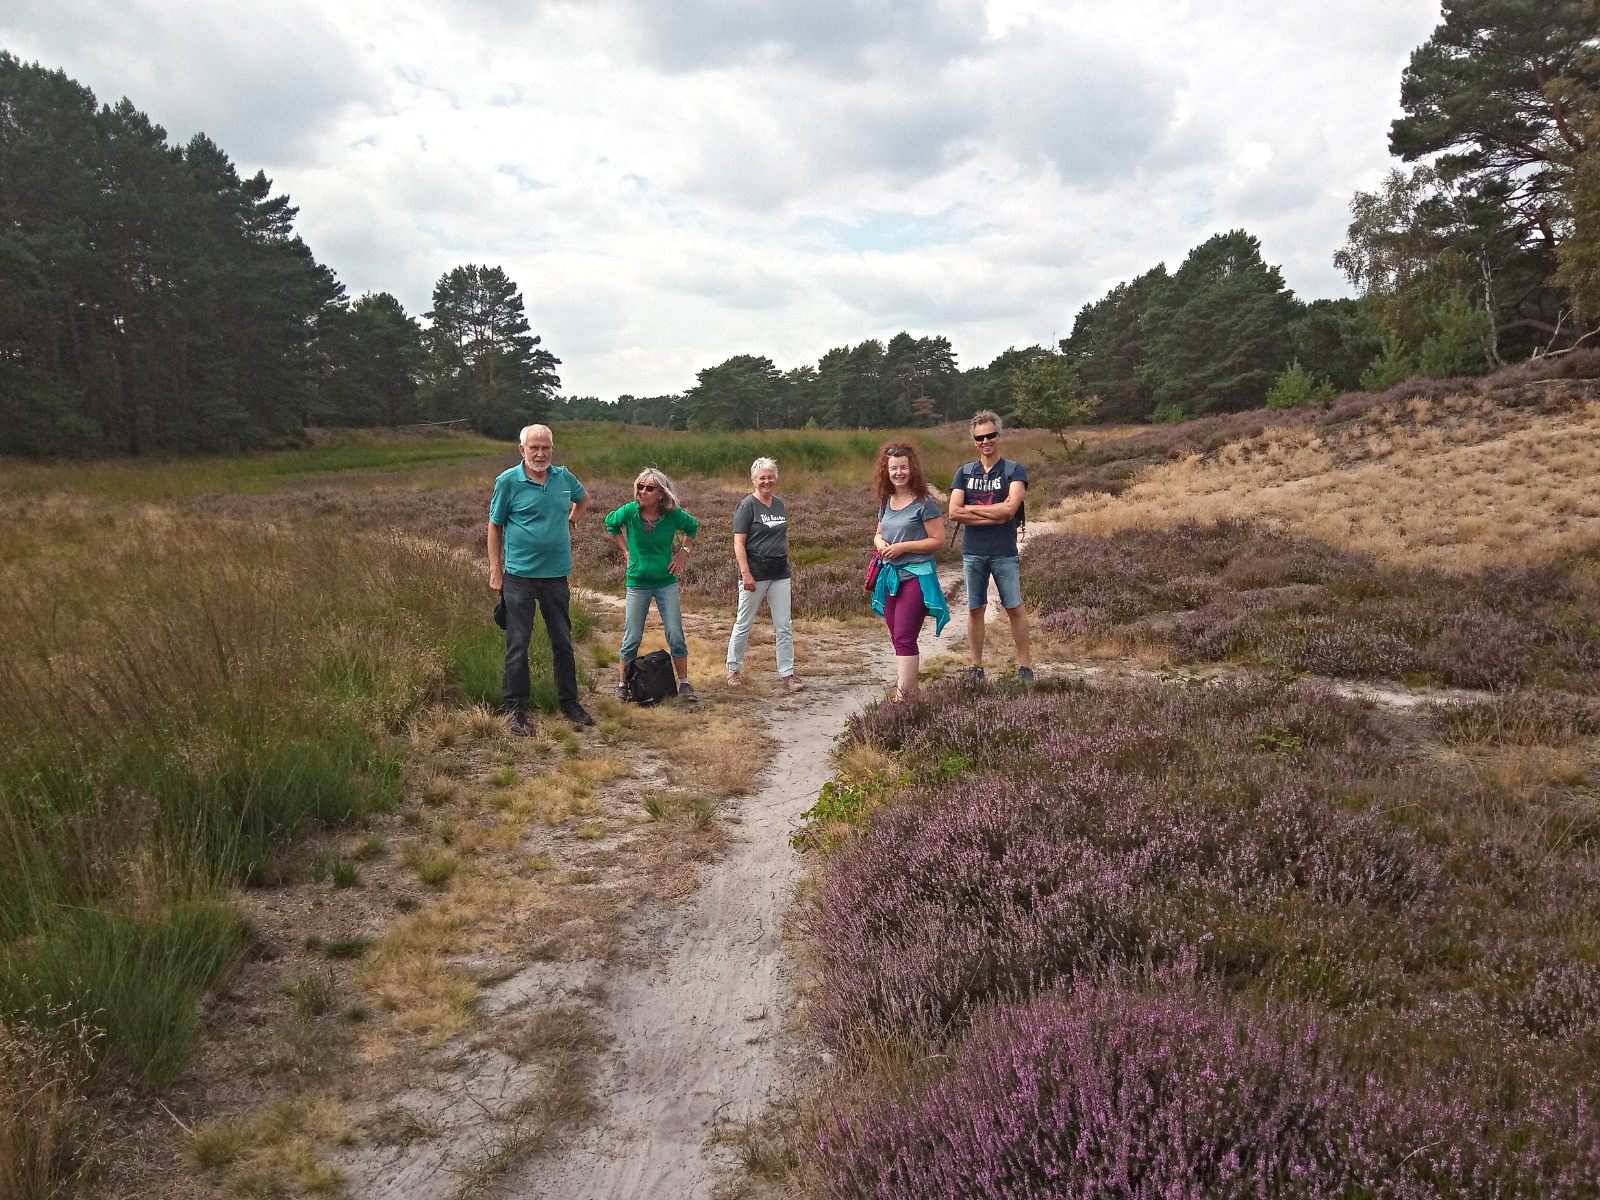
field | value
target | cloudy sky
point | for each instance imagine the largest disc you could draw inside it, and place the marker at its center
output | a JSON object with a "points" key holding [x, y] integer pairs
{"points": [[672, 182]]}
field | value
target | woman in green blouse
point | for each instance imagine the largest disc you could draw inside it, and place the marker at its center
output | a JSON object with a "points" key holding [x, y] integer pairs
{"points": [[655, 536]]}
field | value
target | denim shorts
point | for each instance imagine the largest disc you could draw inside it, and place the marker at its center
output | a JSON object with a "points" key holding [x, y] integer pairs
{"points": [[1007, 572]]}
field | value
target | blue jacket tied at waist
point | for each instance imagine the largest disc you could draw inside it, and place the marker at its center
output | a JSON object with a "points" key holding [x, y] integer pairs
{"points": [[889, 580]]}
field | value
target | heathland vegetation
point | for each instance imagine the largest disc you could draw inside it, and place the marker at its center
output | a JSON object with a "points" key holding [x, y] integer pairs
{"points": [[1333, 908], [233, 688], [1205, 919], [1220, 923]]}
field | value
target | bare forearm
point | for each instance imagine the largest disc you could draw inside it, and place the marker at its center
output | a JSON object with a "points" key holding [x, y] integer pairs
{"points": [[496, 555]]}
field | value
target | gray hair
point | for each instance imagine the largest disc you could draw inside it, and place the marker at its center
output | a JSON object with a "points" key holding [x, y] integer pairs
{"points": [[763, 464], [522, 438], [669, 494], [987, 418]]}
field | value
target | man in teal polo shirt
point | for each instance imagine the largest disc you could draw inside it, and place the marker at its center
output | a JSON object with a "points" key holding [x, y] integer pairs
{"points": [[530, 556]]}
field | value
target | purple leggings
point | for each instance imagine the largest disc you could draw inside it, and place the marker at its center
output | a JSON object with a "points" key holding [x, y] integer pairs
{"points": [[904, 612]]}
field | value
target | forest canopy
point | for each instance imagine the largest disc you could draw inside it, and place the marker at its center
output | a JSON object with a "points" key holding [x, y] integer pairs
{"points": [[151, 299]]}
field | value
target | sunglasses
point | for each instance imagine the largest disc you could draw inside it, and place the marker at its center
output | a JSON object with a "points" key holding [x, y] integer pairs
{"points": [[985, 437], [644, 487], [897, 452]]}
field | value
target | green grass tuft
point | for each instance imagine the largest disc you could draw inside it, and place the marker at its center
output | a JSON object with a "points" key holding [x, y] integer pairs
{"points": [[135, 980]]}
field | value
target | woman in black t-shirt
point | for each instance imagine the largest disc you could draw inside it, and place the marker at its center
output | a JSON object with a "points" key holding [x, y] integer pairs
{"points": [[761, 547]]}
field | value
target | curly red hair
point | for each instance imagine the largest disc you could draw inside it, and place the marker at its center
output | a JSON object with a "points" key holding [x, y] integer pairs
{"points": [[880, 470]]}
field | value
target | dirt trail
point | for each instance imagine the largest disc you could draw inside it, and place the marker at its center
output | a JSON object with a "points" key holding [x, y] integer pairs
{"points": [[698, 1025]]}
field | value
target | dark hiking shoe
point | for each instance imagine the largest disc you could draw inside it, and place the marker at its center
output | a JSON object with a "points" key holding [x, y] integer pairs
{"points": [[973, 674], [575, 713], [1024, 674], [686, 691], [517, 721]]}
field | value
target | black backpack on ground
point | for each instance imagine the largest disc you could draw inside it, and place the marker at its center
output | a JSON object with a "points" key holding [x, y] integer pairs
{"points": [[649, 678]]}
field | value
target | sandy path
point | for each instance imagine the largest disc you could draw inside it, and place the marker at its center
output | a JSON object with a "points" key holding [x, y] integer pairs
{"points": [[698, 1027]]}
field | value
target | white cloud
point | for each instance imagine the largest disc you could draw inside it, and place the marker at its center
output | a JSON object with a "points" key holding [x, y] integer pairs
{"points": [[672, 184]]}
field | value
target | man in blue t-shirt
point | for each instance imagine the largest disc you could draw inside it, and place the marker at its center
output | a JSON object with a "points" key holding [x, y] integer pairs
{"points": [[986, 498], [531, 516]]}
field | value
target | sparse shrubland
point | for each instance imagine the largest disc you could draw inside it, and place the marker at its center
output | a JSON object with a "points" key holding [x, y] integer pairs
{"points": [[1243, 936], [1448, 474], [1247, 911], [1232, 591], [182, 694]]}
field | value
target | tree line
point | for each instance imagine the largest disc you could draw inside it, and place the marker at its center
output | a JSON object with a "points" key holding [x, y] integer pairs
{"points": [[151, 299], [1486, 251]]}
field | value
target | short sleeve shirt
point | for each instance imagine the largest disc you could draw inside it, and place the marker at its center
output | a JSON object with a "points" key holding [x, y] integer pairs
{"points": [[766, 529], [534, 516], [989, 487], [909, 525]]}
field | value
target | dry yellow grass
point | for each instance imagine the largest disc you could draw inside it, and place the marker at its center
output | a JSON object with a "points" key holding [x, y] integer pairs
{"points": [[43, 1112], [1455, 483], [410, 971], [275, 1150]]}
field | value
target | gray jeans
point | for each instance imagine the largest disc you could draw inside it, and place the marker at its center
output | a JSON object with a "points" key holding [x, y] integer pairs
{"points": [[776, 593]]}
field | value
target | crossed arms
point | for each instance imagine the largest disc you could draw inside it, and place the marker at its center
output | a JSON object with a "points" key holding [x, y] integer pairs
{"points": [[997, 513]]}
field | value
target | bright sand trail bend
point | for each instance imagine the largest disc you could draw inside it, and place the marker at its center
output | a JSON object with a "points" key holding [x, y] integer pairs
{"points": [[698, 1028]]}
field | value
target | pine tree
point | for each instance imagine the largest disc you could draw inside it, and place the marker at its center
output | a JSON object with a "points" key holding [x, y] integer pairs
{"points": [[1049, 395], [1218, 332], [484, 364]]}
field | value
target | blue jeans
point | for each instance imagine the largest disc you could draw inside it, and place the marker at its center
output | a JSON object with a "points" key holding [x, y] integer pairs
{"points": [[638, 607], [1007, 572]]}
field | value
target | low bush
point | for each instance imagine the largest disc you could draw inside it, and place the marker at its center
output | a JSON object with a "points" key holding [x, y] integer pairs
{"points": [[1107, 1090], [1088, 836], [1236, 591], [1209, 939], [1536, 718]]}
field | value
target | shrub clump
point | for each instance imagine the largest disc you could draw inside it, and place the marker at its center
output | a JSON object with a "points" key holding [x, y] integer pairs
{"points": [[1101, 841], [1106, 1090]]}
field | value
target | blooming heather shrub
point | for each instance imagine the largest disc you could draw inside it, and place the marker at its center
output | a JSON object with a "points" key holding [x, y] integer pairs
{"points": [[1343, 616], [1132, 573], [1075, 622], [1328, 646], [1542, 987], [1526, 718], [831, 589], [1099, 1091], [1481, 649], [1097, 830], [1172, 725], [1224, 628]]}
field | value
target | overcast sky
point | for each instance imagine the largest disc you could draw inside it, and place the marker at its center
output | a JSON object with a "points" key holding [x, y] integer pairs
{"points": [[672, 182]]}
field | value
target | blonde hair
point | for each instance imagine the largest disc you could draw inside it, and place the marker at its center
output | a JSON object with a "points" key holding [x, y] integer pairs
{"points": [[763, 464], [669, 494]]}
